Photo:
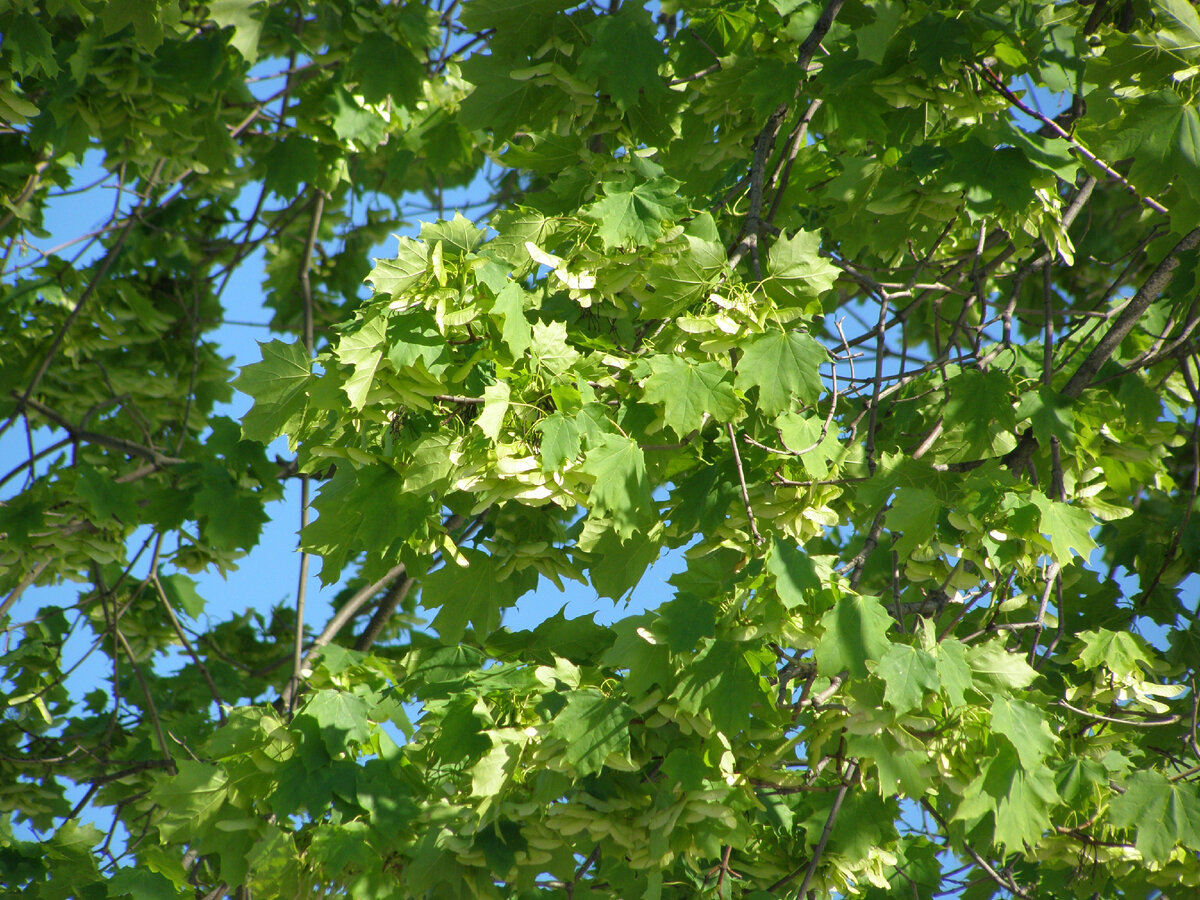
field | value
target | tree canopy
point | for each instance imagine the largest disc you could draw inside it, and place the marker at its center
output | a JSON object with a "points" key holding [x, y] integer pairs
{"points": [[879, 318]]}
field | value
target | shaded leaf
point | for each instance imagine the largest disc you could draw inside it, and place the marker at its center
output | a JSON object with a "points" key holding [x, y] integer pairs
{"points": [[855, 632]]}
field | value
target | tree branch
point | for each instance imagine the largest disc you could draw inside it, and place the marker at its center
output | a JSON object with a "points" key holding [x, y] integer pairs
{"points": [[102, 270], [1129, 316], [160, 460]]}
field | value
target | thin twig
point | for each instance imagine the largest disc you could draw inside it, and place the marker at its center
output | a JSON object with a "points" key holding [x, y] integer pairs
{"points": [[302, 578], [737, 460], [399, 590], [1052, 577], [121, 445], [1007, 883], [151, 708], [187, 644], [819, 849], [1193, 488], [999, 87], [15, 594], [1130, 315], [1150, 723]]}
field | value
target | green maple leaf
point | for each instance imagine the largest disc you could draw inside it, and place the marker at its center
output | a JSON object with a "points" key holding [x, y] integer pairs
{"points": [[898, 770], [550, 349], [412, 337], [1178, 25], [229, 519], [784, 366], [687, 621], [373, 507], [491, 771], [362, 350], [719, 684], [351, 122], [385, 68], [397, 275], [592, 727], [1077, 778], [624, 57], [915, 513], [509, 309], [796, 264], [1122, 653], [977, 410], [108, 499], [1067, 527], [181, 592], [616, 565], [294, 161], [458, 235], [474, 593], [681, 280], [524, 18], [1164, 813], [1026, 729], [795, 575], [191, 797], [495, 406], [499, 102], [560, 440], [340, 716], [339, 846], [1022, 799], [245, 20], [998, 668], [1051, 415], [953, 669], [621, 487], [908, 673], [990, 176], [855, 631], [143, 884], [279, 385], [1161, 131], [143, 16], [689, 391], [804, 433], [31, 46], [632, 213]]}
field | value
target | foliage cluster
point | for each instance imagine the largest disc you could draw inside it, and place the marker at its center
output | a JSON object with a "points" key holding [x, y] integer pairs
{"points": [[814, 296]]}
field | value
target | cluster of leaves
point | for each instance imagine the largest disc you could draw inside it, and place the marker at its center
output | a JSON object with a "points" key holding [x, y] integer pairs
{"points": [[812, 297]]}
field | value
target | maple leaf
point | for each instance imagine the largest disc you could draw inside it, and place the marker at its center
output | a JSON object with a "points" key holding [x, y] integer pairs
{"points": [[784, 366], [560, 440], [362, 350], [908, 673], [1026, 729], [621, 487], [855, 631], [1068, 528], [632, 213], [689, 391], [624, 56], [798, 267], [592, 727], [1163, 814], [278, 385], [474, 593]]}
